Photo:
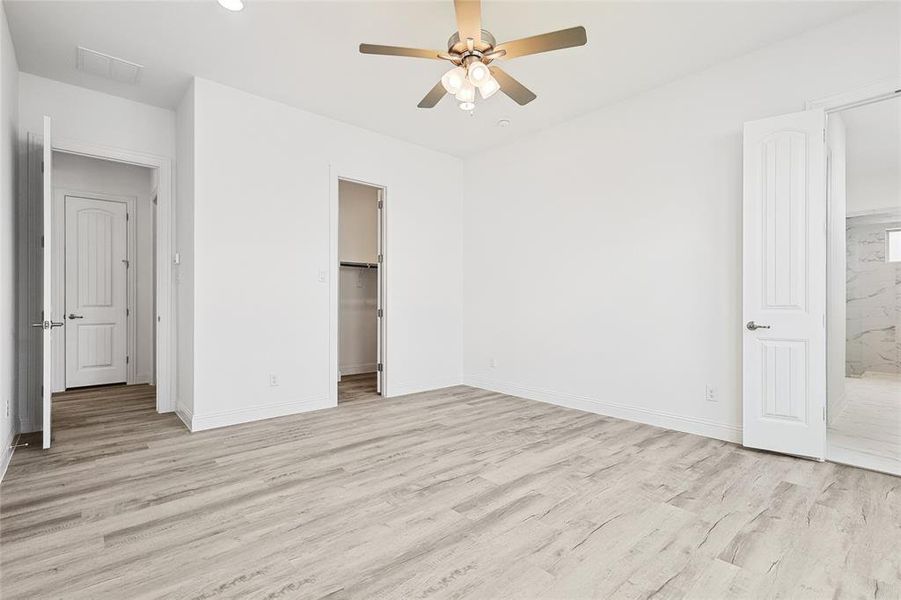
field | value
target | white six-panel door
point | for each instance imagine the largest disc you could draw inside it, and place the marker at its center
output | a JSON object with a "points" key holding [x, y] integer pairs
{"points": [[96, 301], [784, 284]]}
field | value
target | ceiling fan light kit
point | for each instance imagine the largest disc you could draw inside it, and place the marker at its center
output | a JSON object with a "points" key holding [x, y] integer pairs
{"points": [[472, 50]]}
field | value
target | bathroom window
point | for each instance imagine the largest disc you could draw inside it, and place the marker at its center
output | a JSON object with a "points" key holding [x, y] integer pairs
{"points": [[893, 245]]}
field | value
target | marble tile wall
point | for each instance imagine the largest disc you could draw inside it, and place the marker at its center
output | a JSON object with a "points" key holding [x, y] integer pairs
{"points": [[874, 298]]}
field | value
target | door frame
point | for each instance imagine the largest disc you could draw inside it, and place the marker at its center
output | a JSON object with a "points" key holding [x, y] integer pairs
{"points": [[59, 364], [165, 325], [879, 91], [336, 174]]}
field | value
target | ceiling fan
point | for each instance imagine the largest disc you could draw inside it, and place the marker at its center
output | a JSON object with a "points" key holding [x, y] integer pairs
{"points": [[472, 50]]}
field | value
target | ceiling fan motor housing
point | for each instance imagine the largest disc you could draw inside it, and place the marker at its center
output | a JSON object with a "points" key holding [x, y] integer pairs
{"points": [[458, 46]]}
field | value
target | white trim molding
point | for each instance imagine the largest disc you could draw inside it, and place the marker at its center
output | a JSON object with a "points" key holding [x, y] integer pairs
{"points": [[875, 92], [657, 418], [239, 416]]}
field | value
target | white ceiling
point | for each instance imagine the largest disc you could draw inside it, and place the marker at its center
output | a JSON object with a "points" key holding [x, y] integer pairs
{"points": [[305, 54]]}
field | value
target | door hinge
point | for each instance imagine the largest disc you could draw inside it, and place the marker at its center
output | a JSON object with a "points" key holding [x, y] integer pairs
{"points": [[127, 312], [42, 241], [380, 259], [126, 216], [379, 367], [42, 166], [380, 313], [126, 360], [380, 204]]}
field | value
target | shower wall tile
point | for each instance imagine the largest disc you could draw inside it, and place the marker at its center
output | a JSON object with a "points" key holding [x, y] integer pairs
{"points": [[873, 299]]}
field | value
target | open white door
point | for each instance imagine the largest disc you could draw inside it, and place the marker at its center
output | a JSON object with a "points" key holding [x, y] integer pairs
{"points": [[380, 311], [784, 284], [46, 291]]}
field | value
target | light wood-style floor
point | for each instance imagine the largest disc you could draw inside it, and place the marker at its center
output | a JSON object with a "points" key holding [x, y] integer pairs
{"points": [[457, 493], [357, 387]]}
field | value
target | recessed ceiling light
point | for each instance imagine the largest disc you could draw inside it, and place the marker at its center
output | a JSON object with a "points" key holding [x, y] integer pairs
{"points": [[503, 123], [234, 5]]}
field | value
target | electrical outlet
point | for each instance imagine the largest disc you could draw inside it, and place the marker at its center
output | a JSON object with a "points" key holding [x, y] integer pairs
{"points": [[710, 393], [273, 380], [323, 276]]}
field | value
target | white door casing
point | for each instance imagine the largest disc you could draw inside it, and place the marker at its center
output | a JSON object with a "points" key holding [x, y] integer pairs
{"points": [[784, 284], [380, 311], [96, 292], [46, 287]]}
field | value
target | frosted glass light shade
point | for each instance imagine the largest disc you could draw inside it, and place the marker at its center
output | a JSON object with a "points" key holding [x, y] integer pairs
{"points": [[489, 88], [467, 92], [453, 80], [478, 72]]}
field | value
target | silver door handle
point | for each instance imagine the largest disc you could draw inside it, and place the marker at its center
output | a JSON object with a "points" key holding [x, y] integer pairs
{"points": [[74, 316], [48, 324], [752, 326]]}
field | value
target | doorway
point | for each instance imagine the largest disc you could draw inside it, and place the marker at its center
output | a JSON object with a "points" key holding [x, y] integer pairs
{"points": [[864, 341], [41, 275], [102, 270], [360, 310]]}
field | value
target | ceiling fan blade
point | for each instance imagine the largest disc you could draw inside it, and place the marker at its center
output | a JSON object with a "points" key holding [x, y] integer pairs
{"points": [[400, 51], [520, 93], [556, 40], [469, 19], [433, 97]]}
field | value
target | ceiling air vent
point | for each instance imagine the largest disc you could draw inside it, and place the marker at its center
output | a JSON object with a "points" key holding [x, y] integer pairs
{"points": [[104, 65]]}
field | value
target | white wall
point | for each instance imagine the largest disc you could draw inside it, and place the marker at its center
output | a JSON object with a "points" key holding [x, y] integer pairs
{"points": [[262, 240], [602, 257], [72, 173], [357, 321], [87, 116], [874, 157], [358, 288], [9, 115], [358, 215], [184, 247]]}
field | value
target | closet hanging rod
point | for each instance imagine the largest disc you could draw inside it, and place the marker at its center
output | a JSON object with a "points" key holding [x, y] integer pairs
{"points": [[361, 265]]}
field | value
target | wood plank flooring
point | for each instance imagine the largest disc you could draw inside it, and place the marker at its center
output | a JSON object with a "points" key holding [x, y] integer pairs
{"points": [[357, 387], [456, 493]]}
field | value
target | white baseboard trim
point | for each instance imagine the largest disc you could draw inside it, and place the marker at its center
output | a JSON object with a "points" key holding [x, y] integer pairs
{"points": [[6, 455], [357, 369], [658, 418], [256, 413], [864, 460]]}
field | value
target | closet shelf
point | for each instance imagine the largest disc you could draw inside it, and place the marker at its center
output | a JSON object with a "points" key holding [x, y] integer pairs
{"points": [[360, 265]]}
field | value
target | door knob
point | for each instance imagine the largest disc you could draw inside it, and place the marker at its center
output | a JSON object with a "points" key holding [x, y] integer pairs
{"points": [[74, 316], [752, 326], [48, 324]]}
